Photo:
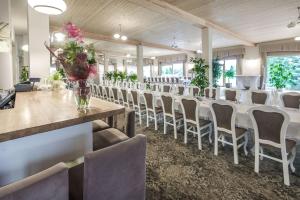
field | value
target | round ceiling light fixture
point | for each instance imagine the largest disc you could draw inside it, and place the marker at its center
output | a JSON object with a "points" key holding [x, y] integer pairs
{"points": [[25, 47], [49, 7], [119, 34], [124, 37]]}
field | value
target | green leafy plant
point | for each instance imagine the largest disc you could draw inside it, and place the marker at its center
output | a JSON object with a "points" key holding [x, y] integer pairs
{"points": [[24, 75], [281, 74], [115, 75], [122, 76], [56, 76], [109, 75], [217, 71], [61, 71], [229, 74], [132, 77], [201, 74]]}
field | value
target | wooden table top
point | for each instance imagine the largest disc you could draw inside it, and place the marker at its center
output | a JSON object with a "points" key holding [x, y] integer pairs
{"points": [[42, 111]]}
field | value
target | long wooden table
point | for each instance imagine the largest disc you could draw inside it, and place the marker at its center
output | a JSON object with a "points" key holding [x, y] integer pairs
{"points": [[45, 128]]}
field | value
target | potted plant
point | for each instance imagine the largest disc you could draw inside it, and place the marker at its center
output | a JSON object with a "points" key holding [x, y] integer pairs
{"points": [[229, 74], [122, 76], [217, 71], [24, 75], [280, 75], [109, 75], [78, 61], [56, 81], [200, 72], [132, 77]]}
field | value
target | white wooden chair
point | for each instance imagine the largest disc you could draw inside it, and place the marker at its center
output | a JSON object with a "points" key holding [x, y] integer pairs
{"points": [[270, 127], [194, 91], [224, 116], [140, 109], [290, 100], [169, 112], [151, 109], [192, 122], [259, 97]]}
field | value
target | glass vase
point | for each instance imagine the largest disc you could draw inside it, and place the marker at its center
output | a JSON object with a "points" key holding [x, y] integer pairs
{"points": [[82, 94]]}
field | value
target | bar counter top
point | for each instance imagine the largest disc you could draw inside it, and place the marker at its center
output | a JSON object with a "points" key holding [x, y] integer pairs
{"points": [[42, 111]]}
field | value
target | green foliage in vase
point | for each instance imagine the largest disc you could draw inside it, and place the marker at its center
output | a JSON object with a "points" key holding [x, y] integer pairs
{"points": [[217, 71], [281, 74], [229, 74], [201, 74], [24, 76]]}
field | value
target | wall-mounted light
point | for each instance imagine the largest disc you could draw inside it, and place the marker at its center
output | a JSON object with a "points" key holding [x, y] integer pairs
{"points": [[153, 57], [49, 7], [199, 51], [25, 47], [297, 38], [128, 55], [59, 37]]}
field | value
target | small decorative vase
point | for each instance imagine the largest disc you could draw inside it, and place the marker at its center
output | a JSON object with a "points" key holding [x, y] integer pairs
{"points": [[82, 93]]}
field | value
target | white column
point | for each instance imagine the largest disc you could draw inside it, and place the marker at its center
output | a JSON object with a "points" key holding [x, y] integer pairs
{"points": [[140, 63], [38, 33], [106, 62], [6, 69], [207, 52]]}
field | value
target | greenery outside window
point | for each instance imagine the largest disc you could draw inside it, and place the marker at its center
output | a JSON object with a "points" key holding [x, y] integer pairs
{"points": [[227, 64], [175, 69]]}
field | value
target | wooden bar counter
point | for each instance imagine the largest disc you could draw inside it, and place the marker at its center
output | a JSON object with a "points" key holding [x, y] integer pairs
{"points": [[42, 111], [45, 128]]}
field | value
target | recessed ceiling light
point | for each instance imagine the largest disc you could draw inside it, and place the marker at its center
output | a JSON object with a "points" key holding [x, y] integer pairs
{"points": [[59, 37], [124, 37], [128, 55], [25, 47], [117, 36], [199, 51], [297, 38], [50, 7]]}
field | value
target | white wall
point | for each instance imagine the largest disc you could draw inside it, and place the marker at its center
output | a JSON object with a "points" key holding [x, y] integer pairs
{"points": [[251, 63], [39, 57], [6, 70]]}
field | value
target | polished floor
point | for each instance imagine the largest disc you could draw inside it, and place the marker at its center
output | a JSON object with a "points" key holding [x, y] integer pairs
{"points": [[178, 171]]}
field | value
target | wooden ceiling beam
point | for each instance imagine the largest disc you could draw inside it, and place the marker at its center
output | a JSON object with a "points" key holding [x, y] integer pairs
{"points": [[109, 38], [174, 12]]}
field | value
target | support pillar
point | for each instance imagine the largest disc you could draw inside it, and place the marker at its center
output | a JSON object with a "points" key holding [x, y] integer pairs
{"points": [[6, 69], [207, 52], [106, 62], [38, 33], [140, 63]]}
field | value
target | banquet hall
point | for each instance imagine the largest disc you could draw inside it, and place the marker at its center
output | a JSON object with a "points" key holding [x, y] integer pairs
{"points": [[149, 99]]}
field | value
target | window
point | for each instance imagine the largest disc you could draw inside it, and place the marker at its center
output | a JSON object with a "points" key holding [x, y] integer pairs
{"points": [[147, 71], [175, 69], [227, 64], [293, 61], [131, 69], [111, 68]]}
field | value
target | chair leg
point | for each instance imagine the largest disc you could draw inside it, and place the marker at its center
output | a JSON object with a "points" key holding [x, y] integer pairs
{"points": [[175, 127], [293, 159], [216, 142], [165, 125], [147, 118], [223, 139], [235, 151], [199, 139], [285, 166], [210, 133], [155, 121], [140, 117], [245, 144], [185, 133], [256, 159]]}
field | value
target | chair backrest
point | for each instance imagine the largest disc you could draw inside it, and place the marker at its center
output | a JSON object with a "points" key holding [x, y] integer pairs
{"points": [[167, 103], [154, 87], [224, 114], [166, 88], [155, 79], [100, 90], [195, 91], [149, 100], [134, 95], [259, 97], [210, 92], [230, 95], [52, 183], [291, 100], [168, 80], [189, 108], [159, 79], [180, 90], [115, 93], [124, 95], [107, 92], [172, 79], [163, 79], [125, 180], [270, 124]]}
